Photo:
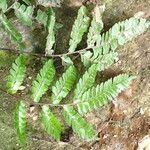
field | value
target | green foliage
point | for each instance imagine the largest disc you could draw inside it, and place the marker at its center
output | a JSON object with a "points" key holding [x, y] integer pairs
{"points": [[97, 56], [11, 30], [102, 61], [103, 93], [24, 13], [80, 26], [63, 86], [51, 123], [119, 34], [94, 33], [3, 5], [17, 74], [20, 118], [51, 34], [85, 82], [43, 80], [79, 125], [42, 17]]}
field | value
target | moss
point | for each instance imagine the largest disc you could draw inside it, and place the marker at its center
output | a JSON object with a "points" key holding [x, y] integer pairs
{"points": [[6, 59]]}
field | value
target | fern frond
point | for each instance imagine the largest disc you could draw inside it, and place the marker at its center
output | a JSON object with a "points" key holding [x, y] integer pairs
{"points": [[85, 82], [51, 34], [3, 5], [17, 74], [43, 80], [20, 119], [24, 13], [103, 93], [119, 34], [11, 30], [79, 28], [63, 86], [94, 33], [51, 123], [42, 17], [79, 125]]}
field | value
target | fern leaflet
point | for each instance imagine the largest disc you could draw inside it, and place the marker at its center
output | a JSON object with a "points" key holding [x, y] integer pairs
{"points": [[3, 5], [20, 119], [43, 80], [12, 31], [94, 33], [42, 17], [24, 13], [85, 82], [103, 93], [79, 28], [17, 74], [64, 85], [51, 123], [79, 125], [51, 34]]}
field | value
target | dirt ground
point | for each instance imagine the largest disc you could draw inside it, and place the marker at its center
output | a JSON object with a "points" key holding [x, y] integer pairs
{"points": [[122, 125]]}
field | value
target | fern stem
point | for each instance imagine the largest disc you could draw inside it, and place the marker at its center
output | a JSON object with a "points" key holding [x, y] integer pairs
{"points": [[17, 51]]}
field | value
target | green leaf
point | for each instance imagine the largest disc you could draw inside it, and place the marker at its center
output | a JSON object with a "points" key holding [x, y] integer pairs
{"points": [[20, 119], [17, 74], [94, 33], [51, 34], [51, 123], [119, 34], [42, 17], [66, 61], [24, 13], [103, 93], [64, 85], [79, 125], [12, 31], [103, 61], [43, 80], [3, 5], [80, 26], [85, 82]]}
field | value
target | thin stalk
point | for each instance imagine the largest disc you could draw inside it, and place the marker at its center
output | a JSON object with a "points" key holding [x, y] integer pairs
{"points": [[16, 51]]}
